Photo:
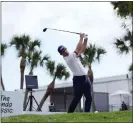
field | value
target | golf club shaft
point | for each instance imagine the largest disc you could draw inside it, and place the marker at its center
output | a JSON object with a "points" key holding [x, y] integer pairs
{"points": [[64, 31]]}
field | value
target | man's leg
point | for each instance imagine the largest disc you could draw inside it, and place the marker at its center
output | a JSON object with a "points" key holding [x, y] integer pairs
{"points": [[88, 96], [77, 96]]}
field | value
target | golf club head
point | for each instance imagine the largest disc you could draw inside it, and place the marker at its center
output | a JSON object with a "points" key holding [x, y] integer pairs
{"points": [[45, 29]]}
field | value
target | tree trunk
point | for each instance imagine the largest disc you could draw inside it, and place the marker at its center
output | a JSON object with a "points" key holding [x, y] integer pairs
{"points": [[93, 101], [22, 79], [48, 92], [22, 68], [25, 99], [90, 74], [31, 71], [26, 95], [2, 84]]}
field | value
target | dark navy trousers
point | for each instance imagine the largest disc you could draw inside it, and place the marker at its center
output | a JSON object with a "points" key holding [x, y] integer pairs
{"points": [[81, 86]]}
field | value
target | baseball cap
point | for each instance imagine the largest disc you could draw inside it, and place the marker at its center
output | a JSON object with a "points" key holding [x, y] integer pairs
{"points": [[61, 49]]}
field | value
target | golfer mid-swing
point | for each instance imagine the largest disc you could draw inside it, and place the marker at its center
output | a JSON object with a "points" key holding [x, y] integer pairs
{"points": [[81, 82]]}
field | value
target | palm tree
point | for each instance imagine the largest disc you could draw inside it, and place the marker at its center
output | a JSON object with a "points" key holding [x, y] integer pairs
{"points": [[3, 49], [124, 8], [124, 45], [92, 54], [34, 60], [131, 67], [22, 44], [58, 72]]}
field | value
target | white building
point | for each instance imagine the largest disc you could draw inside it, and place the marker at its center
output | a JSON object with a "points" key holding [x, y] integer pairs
{"points": [[113, 84]]}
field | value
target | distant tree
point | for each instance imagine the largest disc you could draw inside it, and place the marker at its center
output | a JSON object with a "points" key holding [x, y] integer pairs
{"points": [[22, 44], [124, 10], [34, 59], [3, 50]]}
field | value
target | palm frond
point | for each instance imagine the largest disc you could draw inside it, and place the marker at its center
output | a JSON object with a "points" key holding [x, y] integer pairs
{"points": [[67, 75], [121, 46], [36, 58], [44, 58], [131, 43], [62, 72], [131, 67], [89, 54], [60, 67], [124, 25], [50, 66], [100, 51], [128, 36], [115, 4], [16, 41], [25, 40], [29, 57], [123, 8], [33, 44], [3, 48], [21, 43]]}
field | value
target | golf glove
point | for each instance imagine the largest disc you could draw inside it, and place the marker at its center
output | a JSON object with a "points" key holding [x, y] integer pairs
{"points": [[85, 36]]}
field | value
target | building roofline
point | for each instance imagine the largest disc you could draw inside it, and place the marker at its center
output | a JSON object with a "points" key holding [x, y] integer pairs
{"points": [[96, 81]]}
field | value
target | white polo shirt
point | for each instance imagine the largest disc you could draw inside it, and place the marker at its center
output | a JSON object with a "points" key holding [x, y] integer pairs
{"points": [[75, 65]]}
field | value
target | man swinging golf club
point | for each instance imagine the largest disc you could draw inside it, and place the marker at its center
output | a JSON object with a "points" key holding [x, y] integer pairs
{"points": [[81, 82]]}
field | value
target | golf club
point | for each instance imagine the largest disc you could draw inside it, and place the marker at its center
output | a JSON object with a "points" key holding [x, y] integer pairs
{"points": [[45, 29]]}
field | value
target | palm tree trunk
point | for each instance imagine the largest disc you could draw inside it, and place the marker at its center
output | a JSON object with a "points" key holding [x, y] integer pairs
{"points": [[22, 79], [48, 92], [22, 68], [26, 94], [2, 84], [93, 101], [91, 76], [25, 99]]}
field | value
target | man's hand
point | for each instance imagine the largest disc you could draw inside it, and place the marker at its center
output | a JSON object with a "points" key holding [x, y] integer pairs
{"points": [[84, 45], [82, 35], [85, 37]]}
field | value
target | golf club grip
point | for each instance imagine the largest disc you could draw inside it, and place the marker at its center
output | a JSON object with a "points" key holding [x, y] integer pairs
{"points": [[65, 31]]}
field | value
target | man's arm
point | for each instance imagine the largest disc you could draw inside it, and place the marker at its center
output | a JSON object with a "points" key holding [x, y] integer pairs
{"points": [[80, 43], [83, 47]]}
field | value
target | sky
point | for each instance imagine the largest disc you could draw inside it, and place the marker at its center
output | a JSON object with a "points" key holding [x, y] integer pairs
{"points": [[97, 19]]}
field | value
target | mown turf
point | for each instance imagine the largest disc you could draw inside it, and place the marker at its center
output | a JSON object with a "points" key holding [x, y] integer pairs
{"points": [[121, 116]]}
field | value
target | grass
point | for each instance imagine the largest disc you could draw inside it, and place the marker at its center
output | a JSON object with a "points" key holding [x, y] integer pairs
{"points": [[120, 116]]}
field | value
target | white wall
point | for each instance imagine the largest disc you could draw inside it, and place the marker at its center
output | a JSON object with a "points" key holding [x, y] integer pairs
{"points": [[11, 103], [110, 87], [0, 87], [38, 94]]}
